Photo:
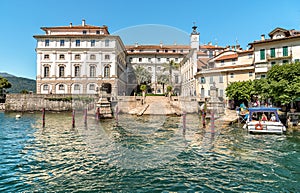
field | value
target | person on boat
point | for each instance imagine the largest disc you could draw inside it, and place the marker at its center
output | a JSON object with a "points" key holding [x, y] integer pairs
{"points": [[264, 117], [273, 118]]}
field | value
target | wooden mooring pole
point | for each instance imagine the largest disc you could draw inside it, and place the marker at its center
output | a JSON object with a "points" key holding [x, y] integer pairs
{"points": [[73, 118], [43, 116], [85, 116], [184, 121], [212, 121]]}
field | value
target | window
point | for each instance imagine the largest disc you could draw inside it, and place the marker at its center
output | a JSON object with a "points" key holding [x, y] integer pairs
{"points": [[149, 68], [149, 59], [61, 87], [208, 92], [98, 32], [263, 76], [157, 50], [47, 42], [233, 61], [250, 74], [46, 87], [211, 80], [262, 54], [221, 79], [93, 57], [166, 51], [222, 62], [61, 56], [106, 43], [221, 92], [202, 93], [130, 59], [181, 51], [202, 80], [46, 56], [77, 71], [297, 60], [77, 43], [158, 59], [285, 61], [285, 51], [106, 71], [168, 59], [140, 59], [176, 79], [77, 56], [273, 63], [61, 71], [62, 42], [76, 87], [250, 55], [176, 59], [46, 71], [92, 87], [106, 57], [231, 75], [93, 43], [174, 51], [158, 68], [92, 71], [272, 52], [141, 51], [210, 54], [84, 32]]}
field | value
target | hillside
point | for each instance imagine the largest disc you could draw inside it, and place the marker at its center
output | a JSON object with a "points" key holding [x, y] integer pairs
{"points": [[19, 83]]}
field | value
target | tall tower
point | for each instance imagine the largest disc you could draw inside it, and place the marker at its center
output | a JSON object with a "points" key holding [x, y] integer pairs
{"points": [[194, 37]]}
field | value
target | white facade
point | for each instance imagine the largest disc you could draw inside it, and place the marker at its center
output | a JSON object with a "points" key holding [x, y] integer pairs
{"points": [[79, 59]]}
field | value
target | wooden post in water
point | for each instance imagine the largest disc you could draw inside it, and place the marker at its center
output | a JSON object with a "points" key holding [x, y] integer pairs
{"points": [[203, 119], [184, 121], [117, 116], [85, 116], [43, 116], [212, 121], [73, 118], [98, 113]]}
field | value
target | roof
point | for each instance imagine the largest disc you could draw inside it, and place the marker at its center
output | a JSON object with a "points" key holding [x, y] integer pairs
{"points": [[200, 53], [202, 62], [232, 67], [76, 27], [208, 46], [227, 57], [139, 47]]}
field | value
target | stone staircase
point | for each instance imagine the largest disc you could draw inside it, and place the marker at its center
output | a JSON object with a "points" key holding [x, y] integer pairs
{"points": [[159, 105]]}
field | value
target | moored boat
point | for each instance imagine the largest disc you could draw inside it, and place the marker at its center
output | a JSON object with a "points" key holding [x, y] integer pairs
{"points": [[264, 120]]}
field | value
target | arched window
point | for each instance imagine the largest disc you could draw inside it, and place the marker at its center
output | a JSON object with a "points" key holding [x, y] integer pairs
{"points": [[92, 71], [45, 87], [77, 56], [61, 87], [92, 87], [61, 71], [106, 71], [76, 87]]}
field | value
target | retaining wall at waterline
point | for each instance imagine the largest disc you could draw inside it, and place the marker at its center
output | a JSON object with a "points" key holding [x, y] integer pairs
{"points": [[36, 102]]}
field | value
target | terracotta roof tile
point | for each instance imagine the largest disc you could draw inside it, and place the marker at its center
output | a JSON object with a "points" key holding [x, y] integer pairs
{"points": [[227, 57]]}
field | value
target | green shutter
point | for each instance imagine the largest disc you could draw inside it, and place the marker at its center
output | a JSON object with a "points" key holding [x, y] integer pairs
{"points": [[285, 51], [262, 54], [272, 52]]}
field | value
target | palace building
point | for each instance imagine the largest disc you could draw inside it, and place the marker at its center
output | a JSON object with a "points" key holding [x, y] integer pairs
{"points": [[79, 59]]}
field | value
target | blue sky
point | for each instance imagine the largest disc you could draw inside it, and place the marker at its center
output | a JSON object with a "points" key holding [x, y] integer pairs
{"points": [[224, 22]]}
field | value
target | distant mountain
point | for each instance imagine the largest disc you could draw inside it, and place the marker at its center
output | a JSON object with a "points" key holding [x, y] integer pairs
{"points": [[19, 83], [4, 75]]}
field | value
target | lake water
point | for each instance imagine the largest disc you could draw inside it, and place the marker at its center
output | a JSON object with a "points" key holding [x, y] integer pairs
{"points": [[142, 154]]}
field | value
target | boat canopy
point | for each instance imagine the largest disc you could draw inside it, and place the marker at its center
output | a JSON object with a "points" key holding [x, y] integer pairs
{"points": [[263, 110]]}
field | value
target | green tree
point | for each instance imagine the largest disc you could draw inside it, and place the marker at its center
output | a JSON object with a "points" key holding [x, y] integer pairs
{"points": [[142, 75], [284, 83], [163, 79], [240, 91], [170, 67], [4, 84]]}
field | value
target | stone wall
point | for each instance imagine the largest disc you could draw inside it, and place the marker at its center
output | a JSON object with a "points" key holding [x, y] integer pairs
{"points": [[36, 102], [2, 106]]}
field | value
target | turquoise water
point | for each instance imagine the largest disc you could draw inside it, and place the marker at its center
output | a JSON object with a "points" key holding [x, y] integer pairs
{"points": [[142, 154]]}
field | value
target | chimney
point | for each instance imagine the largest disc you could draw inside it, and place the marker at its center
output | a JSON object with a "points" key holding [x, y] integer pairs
{"points": [[136, 44], [83, 22], [70, 24], [263, 37]]}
